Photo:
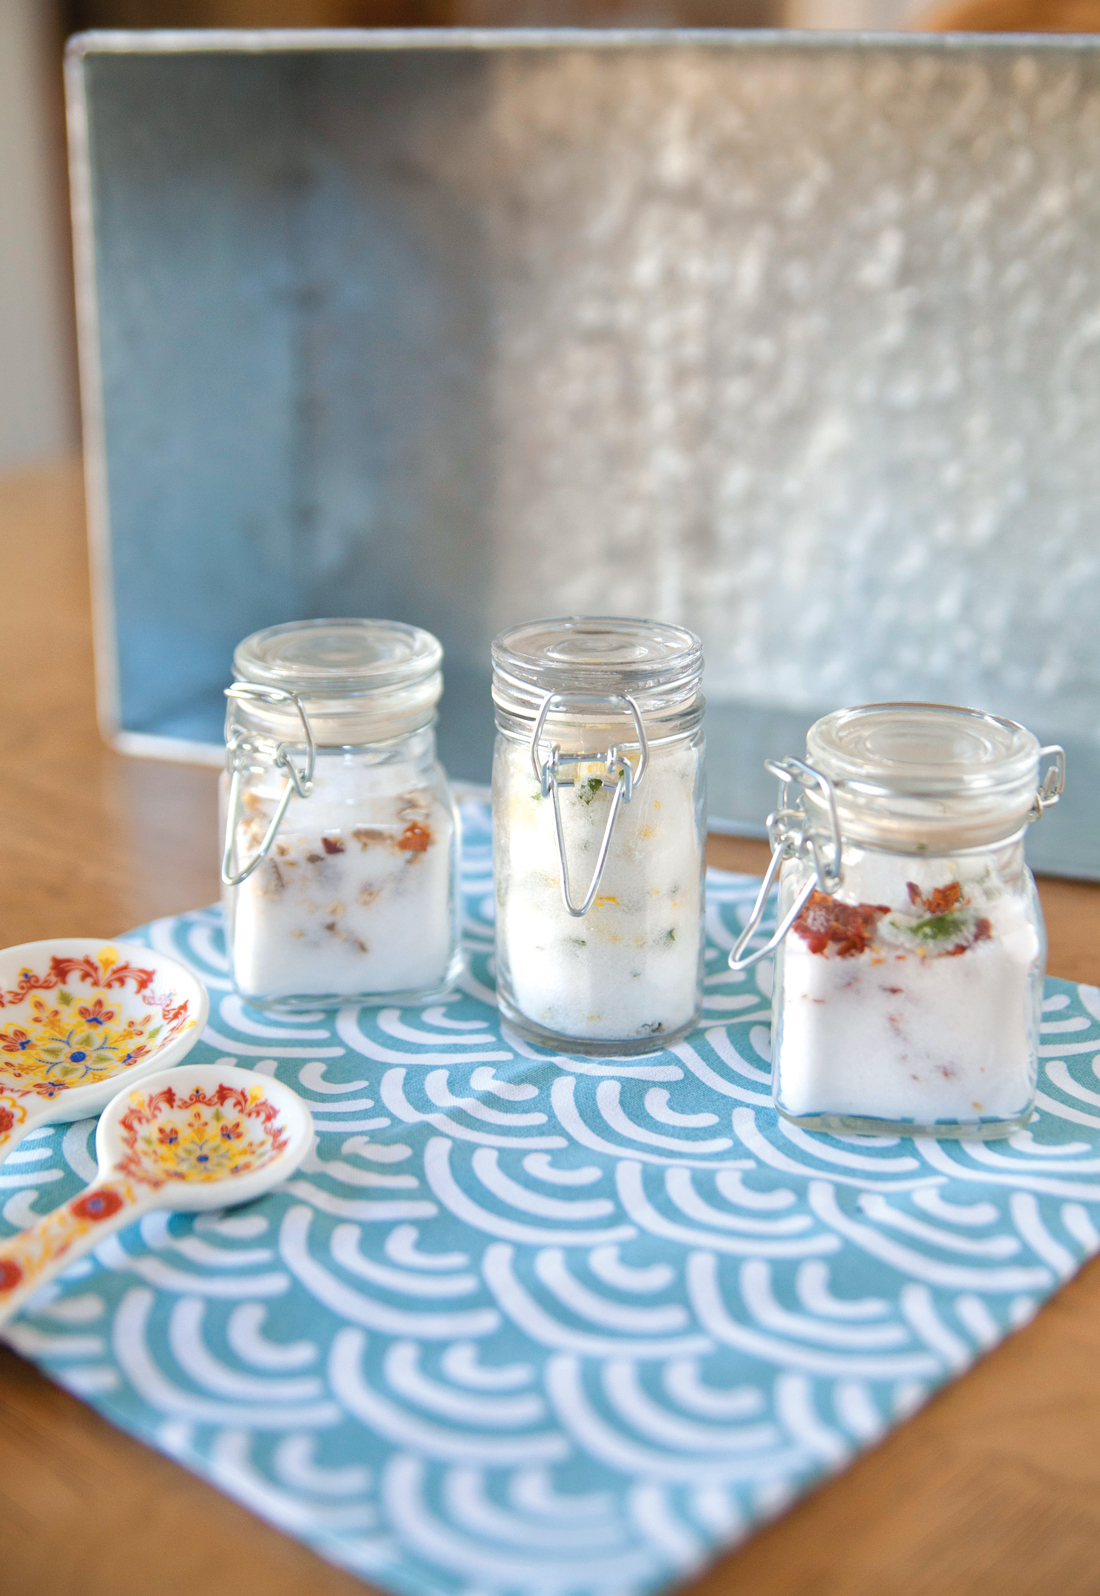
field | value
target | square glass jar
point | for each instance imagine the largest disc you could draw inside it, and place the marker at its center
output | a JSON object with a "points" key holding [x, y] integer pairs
{"points": [[910, 947], [341, 835], [599, 832]]}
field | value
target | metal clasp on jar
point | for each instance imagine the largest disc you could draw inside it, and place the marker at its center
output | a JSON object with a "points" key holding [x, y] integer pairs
{"points": [[1053, 783], [619, 769], [792, 836], [247, 752]]}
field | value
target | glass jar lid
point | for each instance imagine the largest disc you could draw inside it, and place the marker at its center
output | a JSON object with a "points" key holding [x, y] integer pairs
{"points": [[593, 653], [589, 661], [920, 778], [360, 681]]}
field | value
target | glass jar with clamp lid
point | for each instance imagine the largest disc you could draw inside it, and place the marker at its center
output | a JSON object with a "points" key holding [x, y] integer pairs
{"points": [[910, 948], [599, 828], [340, 834]]}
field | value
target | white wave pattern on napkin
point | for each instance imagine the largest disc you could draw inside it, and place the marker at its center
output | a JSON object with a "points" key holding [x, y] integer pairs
{"points": [[533, 1324]]}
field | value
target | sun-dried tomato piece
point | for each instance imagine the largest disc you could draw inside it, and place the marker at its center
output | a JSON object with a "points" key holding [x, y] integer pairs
{"points": [[332, 844], [941, 900], [849, 926], [415, 838]]}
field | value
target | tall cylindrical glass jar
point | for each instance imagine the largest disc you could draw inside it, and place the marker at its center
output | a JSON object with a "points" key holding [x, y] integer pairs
{"points": [[340, 833], [599, 828], [910, 942]]}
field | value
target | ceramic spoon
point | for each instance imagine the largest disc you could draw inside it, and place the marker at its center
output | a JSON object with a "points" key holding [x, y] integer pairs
{"points": [[77, 1014], [201, 1136]]}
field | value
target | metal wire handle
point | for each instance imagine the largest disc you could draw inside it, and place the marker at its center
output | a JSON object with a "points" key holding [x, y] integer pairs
{"points": [[792, 836], [239, 746], [1053, 782], [617, 765]]}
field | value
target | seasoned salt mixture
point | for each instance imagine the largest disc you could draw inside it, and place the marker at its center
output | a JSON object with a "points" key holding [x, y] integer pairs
{"points": [[630, 968], [914, 994], [355, 894], [607, 959], [355, 899]]}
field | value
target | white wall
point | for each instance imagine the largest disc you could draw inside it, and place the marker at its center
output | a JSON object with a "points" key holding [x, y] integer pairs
{"points": [[37, 409]]}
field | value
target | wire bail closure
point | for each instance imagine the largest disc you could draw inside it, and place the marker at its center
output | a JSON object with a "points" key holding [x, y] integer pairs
{"points": [[242, 749], [792, 836], [626, 778], [1053, 782]]}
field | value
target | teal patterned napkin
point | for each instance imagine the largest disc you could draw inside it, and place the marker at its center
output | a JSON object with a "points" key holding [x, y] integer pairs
{"points": [[534, 1324]]}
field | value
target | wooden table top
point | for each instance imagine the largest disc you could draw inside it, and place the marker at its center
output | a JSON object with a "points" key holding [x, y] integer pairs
{"points": [[991, 1490]]}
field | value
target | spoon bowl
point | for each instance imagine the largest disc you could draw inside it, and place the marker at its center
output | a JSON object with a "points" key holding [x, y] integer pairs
{"points": [[204, 1136], [80, 1014], [198, 1136]]}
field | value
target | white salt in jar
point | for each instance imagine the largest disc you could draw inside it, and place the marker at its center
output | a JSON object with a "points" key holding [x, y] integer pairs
{"points": [[340, 858], [911, 951], [599, 830]]}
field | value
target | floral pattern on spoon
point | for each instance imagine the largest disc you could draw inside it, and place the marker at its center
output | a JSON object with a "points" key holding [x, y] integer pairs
{"points": [[76, 1040], [199, 1135], [76, 1014], [202, 1136]]}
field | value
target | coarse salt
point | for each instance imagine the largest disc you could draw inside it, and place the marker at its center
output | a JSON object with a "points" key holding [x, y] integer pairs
{"points": [[355, 897], [915, 997], [631, 967]]}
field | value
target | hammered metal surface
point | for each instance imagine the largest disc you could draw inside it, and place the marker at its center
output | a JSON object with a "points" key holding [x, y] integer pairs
{"points": [[803, 350], [794, 339]]}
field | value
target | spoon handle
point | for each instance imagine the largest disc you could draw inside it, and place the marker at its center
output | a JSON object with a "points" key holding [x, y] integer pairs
{"points": [[35, 1255]]}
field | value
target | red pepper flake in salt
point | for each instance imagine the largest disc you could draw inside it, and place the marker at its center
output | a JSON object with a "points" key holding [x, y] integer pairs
{"points": [[941, 900], [415, 838], [332, 845], [850, 926]]}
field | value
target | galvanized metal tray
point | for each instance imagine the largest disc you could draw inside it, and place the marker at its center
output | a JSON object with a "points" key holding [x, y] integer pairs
{"points": [[793, 338]]}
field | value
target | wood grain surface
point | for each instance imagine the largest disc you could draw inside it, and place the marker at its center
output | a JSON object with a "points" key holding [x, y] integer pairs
{"points": [[992, 1490]]}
